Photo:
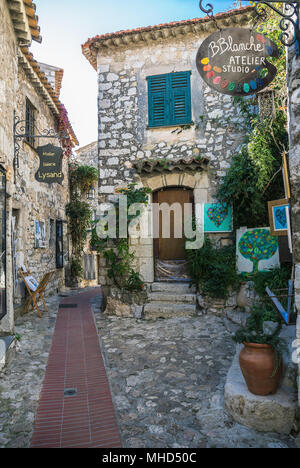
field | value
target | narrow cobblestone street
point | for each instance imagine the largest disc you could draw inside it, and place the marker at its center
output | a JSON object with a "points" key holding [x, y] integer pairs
{"points": [[166, 377]]}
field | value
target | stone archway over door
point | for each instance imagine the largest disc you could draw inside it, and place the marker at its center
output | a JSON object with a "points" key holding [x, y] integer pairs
{"points": [[169, 252]]}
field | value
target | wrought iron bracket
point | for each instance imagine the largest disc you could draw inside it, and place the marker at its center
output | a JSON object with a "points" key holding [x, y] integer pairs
{"points": [[289, 23], [21, 133]]}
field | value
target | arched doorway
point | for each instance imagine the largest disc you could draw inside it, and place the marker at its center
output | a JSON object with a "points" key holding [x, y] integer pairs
{"points": [[171, 205]]}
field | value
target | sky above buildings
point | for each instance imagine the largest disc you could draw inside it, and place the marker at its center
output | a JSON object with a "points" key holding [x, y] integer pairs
{"points": [[66, 24]]}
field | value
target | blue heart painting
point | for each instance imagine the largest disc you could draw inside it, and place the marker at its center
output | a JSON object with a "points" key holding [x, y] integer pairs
{"points": [[280, 220], [217, 218]]}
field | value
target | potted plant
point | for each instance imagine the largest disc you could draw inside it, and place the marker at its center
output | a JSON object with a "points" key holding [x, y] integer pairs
{"points": [[261, 357]]}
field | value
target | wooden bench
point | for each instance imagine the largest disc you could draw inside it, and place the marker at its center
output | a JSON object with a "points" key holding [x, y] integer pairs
{"points": [[35, 289]]}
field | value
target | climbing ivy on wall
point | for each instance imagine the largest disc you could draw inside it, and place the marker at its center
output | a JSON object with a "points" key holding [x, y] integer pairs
{"points": [[255, 175], [117, 252], [79, 213], [253, 179]]}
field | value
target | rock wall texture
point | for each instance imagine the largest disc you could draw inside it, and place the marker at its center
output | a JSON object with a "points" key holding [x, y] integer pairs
{"points": [[27, 199], [125, 137], [294, 167]]}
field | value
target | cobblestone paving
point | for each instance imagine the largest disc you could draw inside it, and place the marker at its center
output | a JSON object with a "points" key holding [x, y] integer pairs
{"points": [[167, 378]]}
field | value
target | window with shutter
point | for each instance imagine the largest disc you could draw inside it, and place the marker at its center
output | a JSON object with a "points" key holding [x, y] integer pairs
{"points": [[169, 99]]}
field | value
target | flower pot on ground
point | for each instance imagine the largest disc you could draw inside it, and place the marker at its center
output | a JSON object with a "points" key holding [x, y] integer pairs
{"points": [[261, 357], [259, 367]]}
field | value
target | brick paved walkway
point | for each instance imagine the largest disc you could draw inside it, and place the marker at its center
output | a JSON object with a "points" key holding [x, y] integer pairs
{"points": [[86, 419]]}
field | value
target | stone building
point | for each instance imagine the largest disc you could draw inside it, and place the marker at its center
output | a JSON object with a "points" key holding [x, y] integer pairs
{"points": [[179, 147], [88, 156], [32, 212], [294, 168]]}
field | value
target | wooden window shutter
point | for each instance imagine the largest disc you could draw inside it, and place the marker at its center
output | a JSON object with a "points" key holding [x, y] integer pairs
{"points": [[180, 85], [158, 92], [169, 99]]}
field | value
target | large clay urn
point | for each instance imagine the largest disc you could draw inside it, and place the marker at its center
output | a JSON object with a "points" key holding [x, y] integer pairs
{"points": [[257, 363]]}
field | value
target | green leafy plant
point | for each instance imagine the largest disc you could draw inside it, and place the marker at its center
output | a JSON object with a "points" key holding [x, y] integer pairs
{"points": [[276, 278], [76, 268], [254, 176], [81, 178], [117, 251], [79, 213], [212, 269]]}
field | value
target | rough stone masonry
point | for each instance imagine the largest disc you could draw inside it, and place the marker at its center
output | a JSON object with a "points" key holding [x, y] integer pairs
{"points": [[124, 61]]}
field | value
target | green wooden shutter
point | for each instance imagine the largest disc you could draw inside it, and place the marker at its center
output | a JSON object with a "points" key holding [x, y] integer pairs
{"points": [[158, 100], [169, 98], [180, 86]]}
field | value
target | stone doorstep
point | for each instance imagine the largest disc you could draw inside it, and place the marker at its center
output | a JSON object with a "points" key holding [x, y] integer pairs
{"points": [[272, 413], [177, 288], [7, 350], [168, 310], [175, 298]]}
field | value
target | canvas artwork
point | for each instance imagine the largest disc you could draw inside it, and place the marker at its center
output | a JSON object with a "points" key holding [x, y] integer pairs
{"points": [[217, 217], [257, 250], [279, 217], [39, 235], [32, 283]]}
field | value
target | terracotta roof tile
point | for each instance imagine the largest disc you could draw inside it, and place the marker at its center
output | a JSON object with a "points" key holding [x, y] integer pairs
{"points": [[149, 166], [52, 92], [88, 45], [30, 8]]}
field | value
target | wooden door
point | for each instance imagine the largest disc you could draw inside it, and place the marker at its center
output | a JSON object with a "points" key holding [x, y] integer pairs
{"points": [[171, 248]]}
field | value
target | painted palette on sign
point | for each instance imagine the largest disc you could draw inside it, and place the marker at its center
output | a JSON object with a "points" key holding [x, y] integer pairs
{"points": [[234, 61]]}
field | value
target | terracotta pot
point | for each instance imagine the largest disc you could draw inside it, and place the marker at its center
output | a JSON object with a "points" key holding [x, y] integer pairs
{"points": [[257, 363]]}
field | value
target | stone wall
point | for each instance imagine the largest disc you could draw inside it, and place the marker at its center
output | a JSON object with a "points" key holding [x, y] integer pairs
{"points": [[27, 200], [8, 86], [294, 167], [124, 136], [33, 200]]}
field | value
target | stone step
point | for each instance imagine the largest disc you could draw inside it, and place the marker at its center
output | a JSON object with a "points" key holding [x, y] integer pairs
{"points": [[173, 288], [166, 310], [172, 298], [271, 413]]}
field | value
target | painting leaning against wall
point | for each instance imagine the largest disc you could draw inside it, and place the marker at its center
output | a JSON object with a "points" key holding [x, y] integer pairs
{"points": [[257, 250]]}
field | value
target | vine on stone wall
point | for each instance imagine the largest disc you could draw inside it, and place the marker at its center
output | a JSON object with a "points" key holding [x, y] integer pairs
{"points": [[79, 213], [117, 252], [253, 179]]}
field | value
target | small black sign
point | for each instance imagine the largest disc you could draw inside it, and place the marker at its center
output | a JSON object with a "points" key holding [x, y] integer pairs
{"points": [[50, 169], [233, 61]]}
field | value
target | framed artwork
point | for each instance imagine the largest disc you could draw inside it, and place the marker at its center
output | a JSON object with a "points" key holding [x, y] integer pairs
{"points": [[257, 250], [285, 174], [279, 217], [39, 235], [217, 217]]}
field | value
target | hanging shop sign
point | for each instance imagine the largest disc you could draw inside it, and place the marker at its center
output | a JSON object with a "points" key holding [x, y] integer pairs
{"points": [[234, 61], [50, 170]]}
